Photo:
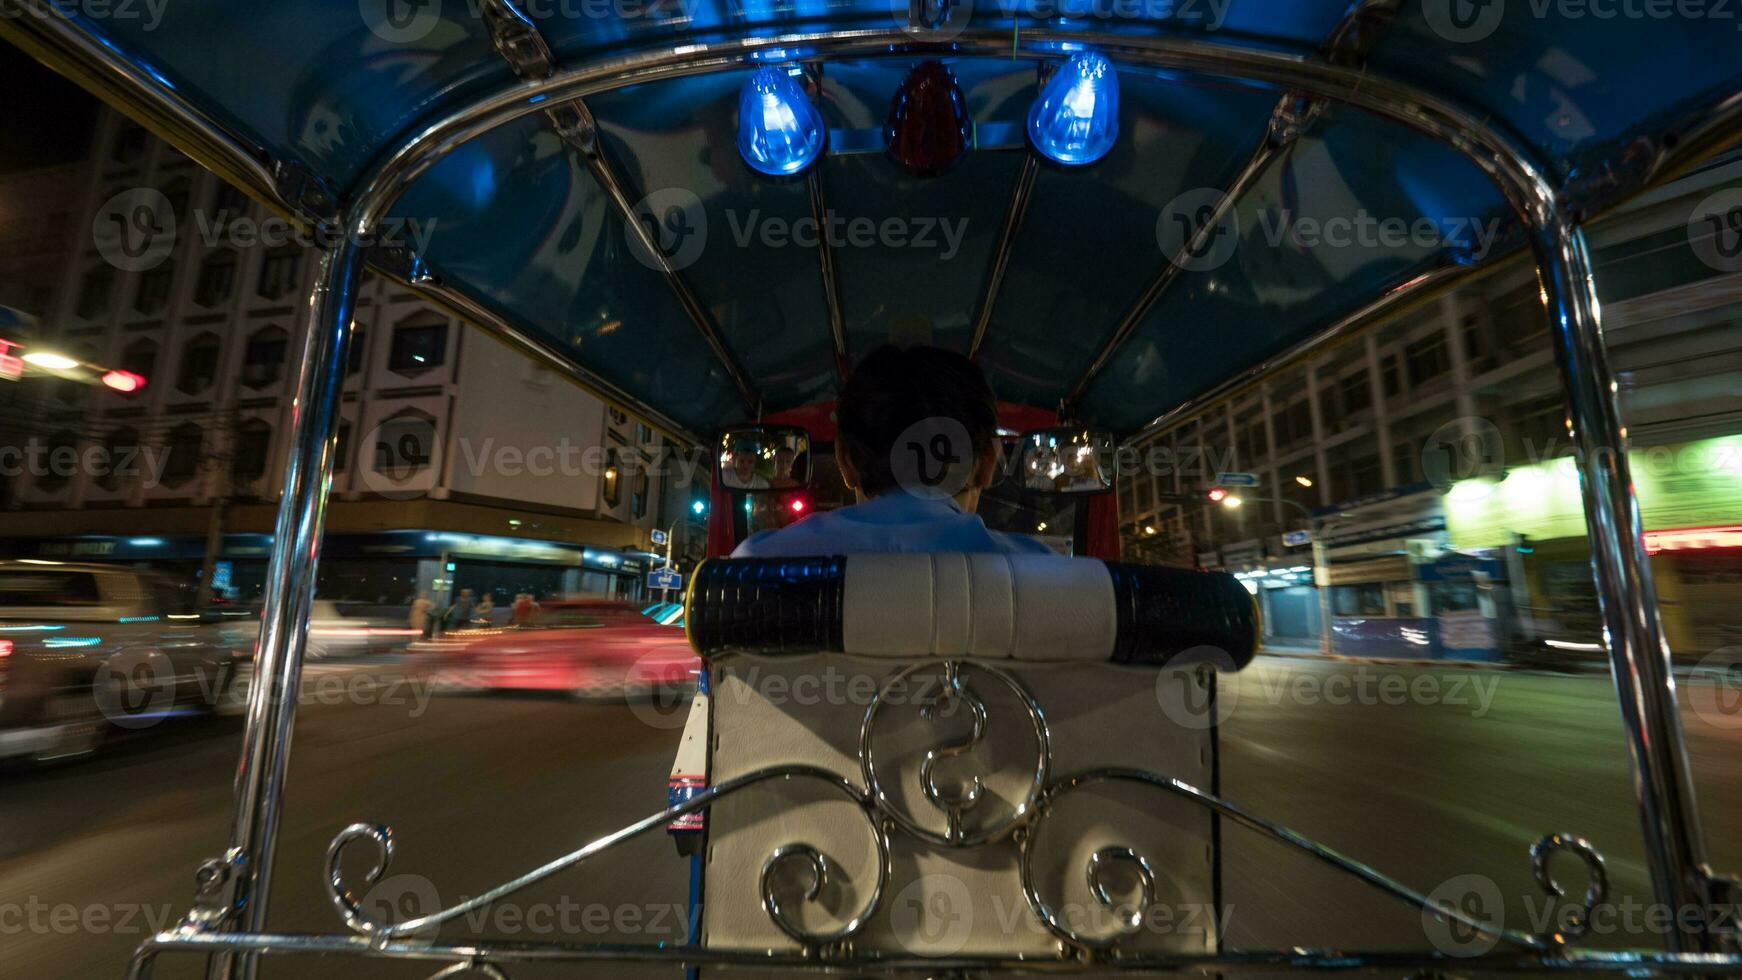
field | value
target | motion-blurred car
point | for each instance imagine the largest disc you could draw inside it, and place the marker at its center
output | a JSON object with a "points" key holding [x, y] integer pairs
{"points": [[342, 629], [86, 649], [587, 647]]}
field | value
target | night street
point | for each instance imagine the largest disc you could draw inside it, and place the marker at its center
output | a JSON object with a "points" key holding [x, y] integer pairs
{"points": [[477, 788]]}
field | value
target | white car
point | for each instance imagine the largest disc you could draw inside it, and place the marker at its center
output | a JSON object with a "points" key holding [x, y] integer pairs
{"points": [[336, 631]]}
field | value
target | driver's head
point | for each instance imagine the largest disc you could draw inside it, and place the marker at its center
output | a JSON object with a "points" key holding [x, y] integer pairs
{"points": [[894, 390]]}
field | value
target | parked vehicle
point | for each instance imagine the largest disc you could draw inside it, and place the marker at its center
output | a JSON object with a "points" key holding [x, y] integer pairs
{"points": [[89, 649]]}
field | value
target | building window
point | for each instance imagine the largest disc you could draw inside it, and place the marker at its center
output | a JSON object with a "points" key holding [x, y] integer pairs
{"points": [[280, 272], [419, 343], [1369, 476], [1357, 392], [121, 463], [1366, 599], [151, 294], [177, 194], [252, 452], [199, 364], [1426, 359], [217, 280], [354, 355], [95, 291], [638, 498], [613, 478], [140, 357], [342, 448], [643, 434], [1389, 377], [618, 417], [228, 205], [60, 463], [263, 358], [1407, 461], [404, 446], [129, 145], [182, 453]]}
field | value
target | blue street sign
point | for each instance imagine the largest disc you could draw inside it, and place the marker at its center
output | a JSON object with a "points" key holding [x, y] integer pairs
{"points": [[659, 537], [664, 578], [1295, 539], [1237, 479]]}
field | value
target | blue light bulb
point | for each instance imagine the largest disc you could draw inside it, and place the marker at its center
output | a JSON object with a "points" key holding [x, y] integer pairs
{"points": [[1075, 120], [780, 132]]}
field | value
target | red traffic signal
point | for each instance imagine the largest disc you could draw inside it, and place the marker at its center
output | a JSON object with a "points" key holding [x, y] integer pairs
{"points": [[123, 381], [1218, 494]]}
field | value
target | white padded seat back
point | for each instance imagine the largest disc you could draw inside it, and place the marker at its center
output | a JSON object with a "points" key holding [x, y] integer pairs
{"points": [[1017, 607]]}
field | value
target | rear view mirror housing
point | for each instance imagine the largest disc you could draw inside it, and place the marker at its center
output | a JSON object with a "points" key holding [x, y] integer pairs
{"points": [[758, 458], [1067, 460]]}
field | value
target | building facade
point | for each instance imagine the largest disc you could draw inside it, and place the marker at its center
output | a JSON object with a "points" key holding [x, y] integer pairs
{"points": [[1414, 487], [461, 463]]}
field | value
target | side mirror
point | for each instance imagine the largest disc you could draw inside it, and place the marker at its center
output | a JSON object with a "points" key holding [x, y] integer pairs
{"points": [[1069, 460], [765, 457]]}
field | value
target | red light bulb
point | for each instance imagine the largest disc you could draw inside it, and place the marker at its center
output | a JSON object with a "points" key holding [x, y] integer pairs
{"points": [[928, 129]]}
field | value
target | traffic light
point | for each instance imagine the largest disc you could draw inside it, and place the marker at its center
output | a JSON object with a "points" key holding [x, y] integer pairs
{"points": [[699, 507], [1218, 494], [123, 381]]}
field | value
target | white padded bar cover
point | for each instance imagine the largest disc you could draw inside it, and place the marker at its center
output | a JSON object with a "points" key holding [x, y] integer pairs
{"points": [[1025, 607]]}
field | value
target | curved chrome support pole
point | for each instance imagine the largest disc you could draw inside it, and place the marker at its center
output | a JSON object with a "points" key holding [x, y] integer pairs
{"points": [[1639, 656], [290, 581]]}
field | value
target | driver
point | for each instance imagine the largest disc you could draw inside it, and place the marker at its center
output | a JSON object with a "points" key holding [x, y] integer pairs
{"points": [[900, 416]]}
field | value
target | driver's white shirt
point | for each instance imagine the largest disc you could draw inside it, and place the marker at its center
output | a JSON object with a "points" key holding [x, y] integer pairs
{"points": [[894, 522]]}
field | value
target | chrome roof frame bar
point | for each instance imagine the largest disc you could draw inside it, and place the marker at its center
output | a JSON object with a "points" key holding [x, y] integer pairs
{"points": [[233, 888]]}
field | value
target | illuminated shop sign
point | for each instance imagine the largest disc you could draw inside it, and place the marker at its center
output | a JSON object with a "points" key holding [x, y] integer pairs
{"points": [[1690, 485]]}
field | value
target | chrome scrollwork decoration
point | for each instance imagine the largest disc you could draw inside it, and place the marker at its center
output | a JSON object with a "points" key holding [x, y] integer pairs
{"points": [[350, 905], [818, 867], [1130, 917], [1104, 858], [954, 691], [1596, 890], [470, 968]]}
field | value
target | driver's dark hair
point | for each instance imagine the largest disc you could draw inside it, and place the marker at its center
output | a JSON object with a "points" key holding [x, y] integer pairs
{"points": [[893, 388]]}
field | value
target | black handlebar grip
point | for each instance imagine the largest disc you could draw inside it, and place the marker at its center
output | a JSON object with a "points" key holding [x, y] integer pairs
{"points": [[1174, 617], [766, 605]]}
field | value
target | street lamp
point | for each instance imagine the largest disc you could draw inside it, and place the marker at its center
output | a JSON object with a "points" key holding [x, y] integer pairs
{"points": [[50, 361]]}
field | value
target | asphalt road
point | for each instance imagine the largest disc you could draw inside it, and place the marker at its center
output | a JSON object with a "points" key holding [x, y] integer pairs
{"points": [[1441, 777]]}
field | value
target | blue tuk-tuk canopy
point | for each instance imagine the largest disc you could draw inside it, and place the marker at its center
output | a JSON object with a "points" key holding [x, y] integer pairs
{"points": [[517, 223]]}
